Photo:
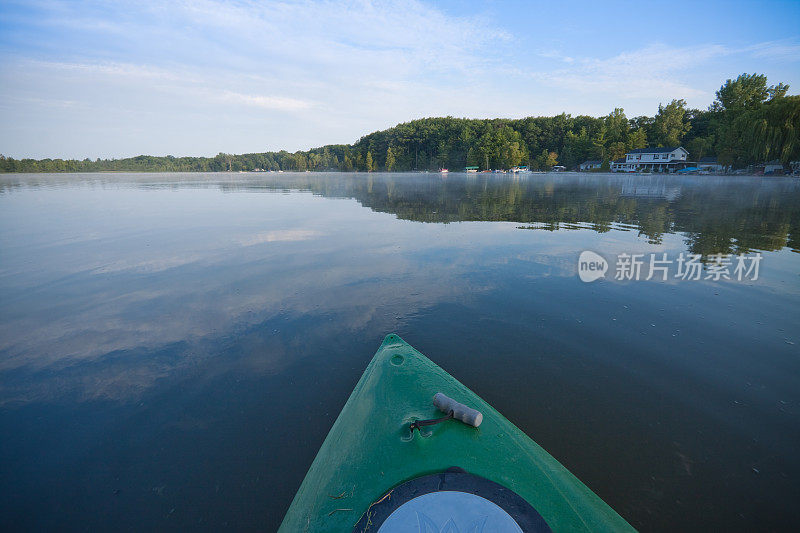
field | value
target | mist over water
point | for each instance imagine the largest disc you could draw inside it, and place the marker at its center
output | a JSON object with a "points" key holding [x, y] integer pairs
{"points": [[175, 347]]}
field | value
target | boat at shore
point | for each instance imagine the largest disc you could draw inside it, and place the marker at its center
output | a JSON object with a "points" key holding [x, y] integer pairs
{"points": [[415, 450]]}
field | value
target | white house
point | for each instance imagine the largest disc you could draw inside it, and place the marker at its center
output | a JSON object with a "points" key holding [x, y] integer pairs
{"points": [[622, 165], [656, 159]]}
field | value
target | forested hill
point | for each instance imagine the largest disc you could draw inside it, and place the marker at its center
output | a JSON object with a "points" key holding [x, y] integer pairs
{"points": [[749, 122]]}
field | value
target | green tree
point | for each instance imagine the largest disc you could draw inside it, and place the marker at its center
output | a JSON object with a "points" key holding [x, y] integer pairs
{"points": [[616, 150], [616, 126], [748, 91], [390, 162], [368, 162], [753, 122], [510, 148], [637, 139], [578, 148], [599, 142], [771, 131], [347, 164], [700, 147], [545, 160], [669, 126]]}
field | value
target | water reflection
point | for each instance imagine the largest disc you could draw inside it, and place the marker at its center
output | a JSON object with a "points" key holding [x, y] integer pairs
{"points": [[184, 341], [716, 214]]}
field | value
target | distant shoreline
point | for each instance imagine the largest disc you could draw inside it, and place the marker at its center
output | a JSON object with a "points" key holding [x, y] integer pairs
{"points": [[748, 125], [412, 172]]}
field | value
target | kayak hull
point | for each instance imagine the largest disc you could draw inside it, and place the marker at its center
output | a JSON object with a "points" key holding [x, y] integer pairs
{"points": [[370, 450]]}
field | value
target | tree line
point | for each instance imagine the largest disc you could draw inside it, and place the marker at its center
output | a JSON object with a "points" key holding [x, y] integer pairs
{"points": [[749, 122]]}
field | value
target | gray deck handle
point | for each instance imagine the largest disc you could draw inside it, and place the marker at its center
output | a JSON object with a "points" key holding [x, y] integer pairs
{"points": [[469, 416]]}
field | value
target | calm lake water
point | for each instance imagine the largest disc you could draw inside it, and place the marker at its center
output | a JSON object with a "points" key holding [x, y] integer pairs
{"points": [[175, 347]]}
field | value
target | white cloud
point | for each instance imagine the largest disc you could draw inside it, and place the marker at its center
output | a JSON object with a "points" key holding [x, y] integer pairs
{"points": [[776, 50], [289, 235], [112, 69], [650, 72], [268, 102]]}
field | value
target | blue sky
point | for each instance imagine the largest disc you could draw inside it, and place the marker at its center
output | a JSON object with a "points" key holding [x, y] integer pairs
{"points": [[115, 79]]}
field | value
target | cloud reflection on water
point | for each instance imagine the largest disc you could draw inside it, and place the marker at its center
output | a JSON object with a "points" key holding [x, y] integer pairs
{"points": [[111, 283]]}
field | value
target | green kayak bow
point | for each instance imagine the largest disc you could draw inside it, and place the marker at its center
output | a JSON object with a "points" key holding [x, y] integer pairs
{"points": [[382, 468]]}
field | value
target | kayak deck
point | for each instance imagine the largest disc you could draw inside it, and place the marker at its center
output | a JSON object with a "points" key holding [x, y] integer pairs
{"points": [[370, 450]]}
